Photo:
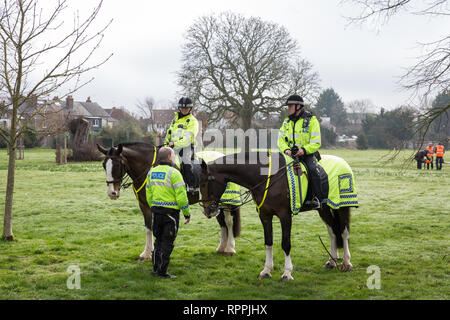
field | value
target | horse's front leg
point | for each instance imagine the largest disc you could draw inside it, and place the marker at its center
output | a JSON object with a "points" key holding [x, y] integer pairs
{"points": [[229, 249], [268, 241], [147, 253], [286, 223], [223, 232]]}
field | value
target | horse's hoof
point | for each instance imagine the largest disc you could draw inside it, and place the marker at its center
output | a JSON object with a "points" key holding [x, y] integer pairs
{"points": [[347, 267], [265, 276], [144, 258], [330, 265]]}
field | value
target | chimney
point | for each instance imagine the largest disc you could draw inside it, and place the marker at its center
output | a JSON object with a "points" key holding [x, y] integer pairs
{"points": [[88, 99], [69, 102]]}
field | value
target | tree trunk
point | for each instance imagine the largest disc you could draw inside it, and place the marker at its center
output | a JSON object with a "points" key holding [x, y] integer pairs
{"points": [[7, 221], [246, 121], [80, 130]]}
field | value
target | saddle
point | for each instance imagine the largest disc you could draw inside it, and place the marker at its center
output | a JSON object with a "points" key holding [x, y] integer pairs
{"points": [[317, 188]]}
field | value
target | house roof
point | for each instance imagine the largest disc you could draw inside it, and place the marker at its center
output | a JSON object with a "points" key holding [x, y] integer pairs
{"points": [[117, 114], [94, 109]]}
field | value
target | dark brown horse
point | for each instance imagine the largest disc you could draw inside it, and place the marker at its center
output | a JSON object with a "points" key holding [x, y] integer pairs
{"points": [[276, 203], [135, 159]]}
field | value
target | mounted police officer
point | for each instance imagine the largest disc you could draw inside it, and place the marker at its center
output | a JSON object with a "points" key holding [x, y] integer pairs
{"points": [[181, 136], [299, 137], [166, 196]]}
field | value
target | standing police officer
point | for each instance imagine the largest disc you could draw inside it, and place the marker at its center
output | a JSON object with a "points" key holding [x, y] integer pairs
{"points": [[166, 195], [299, 137], [181, 136]]}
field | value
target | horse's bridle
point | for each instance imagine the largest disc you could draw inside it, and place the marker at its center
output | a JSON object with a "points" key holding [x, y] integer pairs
{"points": [[122, 170]]}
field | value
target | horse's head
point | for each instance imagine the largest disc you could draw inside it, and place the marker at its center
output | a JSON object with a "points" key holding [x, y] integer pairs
{"points": [[114, 165], [212, 186]]}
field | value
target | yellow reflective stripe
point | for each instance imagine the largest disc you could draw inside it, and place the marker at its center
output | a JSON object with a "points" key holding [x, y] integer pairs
{"points": [[145, 181], [267, 184]]}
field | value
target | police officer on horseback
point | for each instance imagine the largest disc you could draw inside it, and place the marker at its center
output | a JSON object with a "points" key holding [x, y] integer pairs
{"points": [[299, 137], [181, 136]]}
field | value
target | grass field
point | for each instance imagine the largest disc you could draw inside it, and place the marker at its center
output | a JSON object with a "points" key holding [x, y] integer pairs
{"points": [[63, 217]]}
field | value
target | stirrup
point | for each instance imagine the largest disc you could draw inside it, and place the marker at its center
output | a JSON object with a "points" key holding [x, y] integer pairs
{"points": [[192, 189], [314, 203]]}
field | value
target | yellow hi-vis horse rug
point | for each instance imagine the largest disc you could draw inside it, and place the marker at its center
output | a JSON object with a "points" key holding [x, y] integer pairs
{"points": [[232, 194], [342, 188]]}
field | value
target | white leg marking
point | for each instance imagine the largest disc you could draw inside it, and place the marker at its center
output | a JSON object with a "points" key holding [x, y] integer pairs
{"points": [[333, 250], [147, 253], [347, 266], [268, 266], [287, 268], [223, 240], [230, 239]]}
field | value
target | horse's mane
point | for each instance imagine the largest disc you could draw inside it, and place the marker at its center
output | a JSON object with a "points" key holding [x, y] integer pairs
{"points": [[247, 156], [138, 145]]}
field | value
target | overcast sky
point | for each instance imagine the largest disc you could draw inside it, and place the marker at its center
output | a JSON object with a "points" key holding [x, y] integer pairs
{"points": [[358, 62]]}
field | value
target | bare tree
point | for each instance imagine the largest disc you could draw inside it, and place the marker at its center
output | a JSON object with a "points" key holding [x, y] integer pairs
{"points": [[36, 60], [430, 74], [360, 106], [243, 66], [146, 110]]}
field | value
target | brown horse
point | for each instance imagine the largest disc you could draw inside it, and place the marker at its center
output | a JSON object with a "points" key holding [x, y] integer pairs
{"points": [[136, 159], [214, 177]]}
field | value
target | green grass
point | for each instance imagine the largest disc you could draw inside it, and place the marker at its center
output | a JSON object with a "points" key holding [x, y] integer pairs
{"points": [[63, 217]]}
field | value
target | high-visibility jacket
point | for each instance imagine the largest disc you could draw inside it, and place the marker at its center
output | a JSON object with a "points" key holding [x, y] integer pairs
{"points": [[182, 131], [303, 133], [439, 150], [430, 152], [166, 188]]}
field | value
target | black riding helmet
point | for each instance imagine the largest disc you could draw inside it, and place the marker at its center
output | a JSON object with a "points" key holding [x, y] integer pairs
{"points": [[184, 102], [295, 99]]}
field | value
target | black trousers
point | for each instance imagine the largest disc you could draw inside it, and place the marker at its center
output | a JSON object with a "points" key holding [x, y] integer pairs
{"points": [[165, 229], [310, 161], [439, 161], [187, 166], [419, 164]]}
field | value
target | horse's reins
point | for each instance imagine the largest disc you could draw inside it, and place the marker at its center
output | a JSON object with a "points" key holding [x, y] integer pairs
{"points": [[124, 175], [247, 193]]}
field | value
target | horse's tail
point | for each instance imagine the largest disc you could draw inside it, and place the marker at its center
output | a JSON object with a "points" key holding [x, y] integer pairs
{"points": [[236, 213]]}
